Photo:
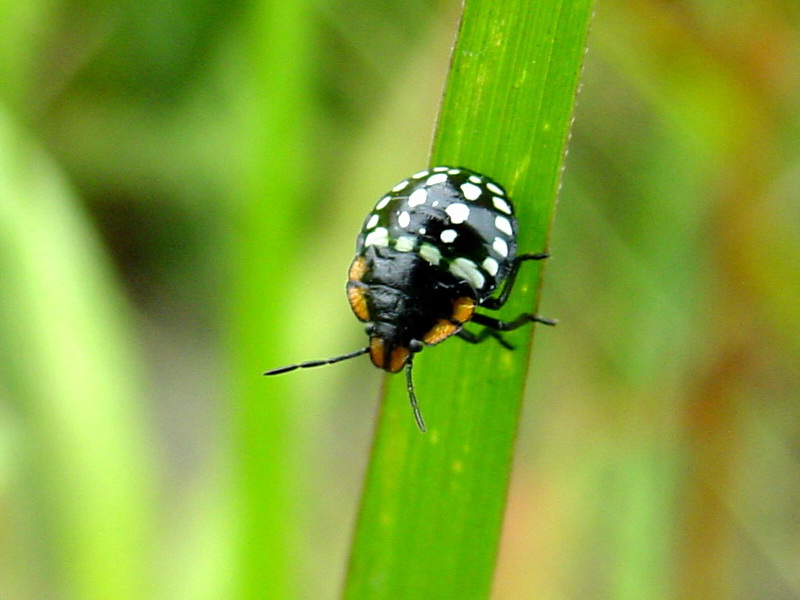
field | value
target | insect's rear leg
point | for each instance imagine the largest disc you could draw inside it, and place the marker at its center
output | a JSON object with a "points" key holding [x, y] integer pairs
{"points": [[493, 303]]}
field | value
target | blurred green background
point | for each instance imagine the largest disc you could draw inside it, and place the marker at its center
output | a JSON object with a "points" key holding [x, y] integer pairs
{"points": [[144, 186]]}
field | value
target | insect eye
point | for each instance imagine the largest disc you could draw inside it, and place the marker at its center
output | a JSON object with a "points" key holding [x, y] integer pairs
{"points": [[415, 346]]}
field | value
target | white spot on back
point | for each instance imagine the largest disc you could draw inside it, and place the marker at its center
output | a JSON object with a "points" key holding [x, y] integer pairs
{"points": [[418, 197], [373, 220], [454, 171], [458, 212], [422, 231], [404, 219], [400, 185], [448, 236], [404, 243], [419, 175], [475, 179], [494, 188], [471, 191], [490, 266], [503, 225], [439, 169], [382, 203], [438, 178], [501, 205], [500, 247], [379, 237], [430, 253], [468, 270]]}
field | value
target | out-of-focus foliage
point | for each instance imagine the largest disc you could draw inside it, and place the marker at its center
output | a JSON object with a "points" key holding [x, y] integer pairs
{"points": [[658, 454]]}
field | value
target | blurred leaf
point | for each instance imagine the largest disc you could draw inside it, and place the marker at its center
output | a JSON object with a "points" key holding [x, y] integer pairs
{"points": [[276, 111], [69, 371]]}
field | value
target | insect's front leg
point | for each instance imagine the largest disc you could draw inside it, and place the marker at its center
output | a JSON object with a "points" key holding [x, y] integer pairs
{"points": [[477, 338], [498, 325]]}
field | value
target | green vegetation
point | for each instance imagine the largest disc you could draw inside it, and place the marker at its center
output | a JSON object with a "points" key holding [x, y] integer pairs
{"points": [[433, 506], [180, 188]]}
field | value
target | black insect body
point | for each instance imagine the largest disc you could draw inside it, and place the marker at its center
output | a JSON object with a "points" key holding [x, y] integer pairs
{"points": [[433, 249]]}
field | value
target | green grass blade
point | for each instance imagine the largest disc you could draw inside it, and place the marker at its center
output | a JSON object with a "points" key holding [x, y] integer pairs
{"points": [[275, 110], [433, 504], [69, 379]]}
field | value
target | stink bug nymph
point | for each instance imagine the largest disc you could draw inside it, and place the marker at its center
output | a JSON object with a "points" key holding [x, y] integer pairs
{"points": [[431, 252]]}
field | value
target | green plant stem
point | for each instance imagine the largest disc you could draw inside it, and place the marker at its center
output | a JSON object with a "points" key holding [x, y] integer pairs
{"points": [[433, 504]]}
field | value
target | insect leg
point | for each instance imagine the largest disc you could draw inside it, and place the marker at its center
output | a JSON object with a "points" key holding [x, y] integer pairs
{"points": [[473, 338], [497, 302], [497, 325]]}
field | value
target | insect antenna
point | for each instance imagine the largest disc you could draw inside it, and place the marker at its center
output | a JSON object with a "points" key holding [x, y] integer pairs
{"points": [[412, 396], [317, 363]]}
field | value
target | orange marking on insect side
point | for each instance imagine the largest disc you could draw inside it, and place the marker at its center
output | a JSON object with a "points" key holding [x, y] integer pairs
{"points": [[356, 294], [393, 362], [376, 353], [398, 359], [357, 269], [463, 309], [439, 332]]}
